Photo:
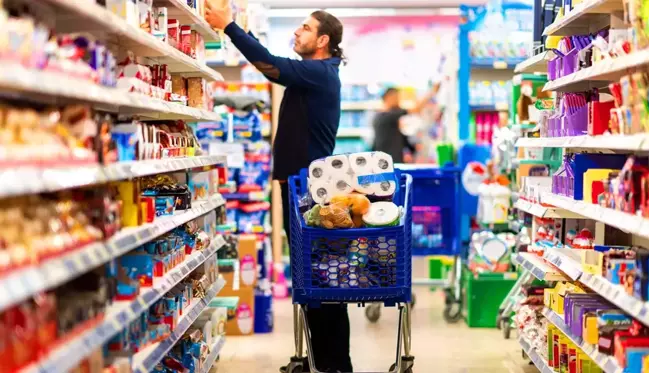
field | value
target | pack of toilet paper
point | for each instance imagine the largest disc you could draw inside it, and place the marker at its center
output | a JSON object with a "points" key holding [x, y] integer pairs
{"points": [[369, 173]]}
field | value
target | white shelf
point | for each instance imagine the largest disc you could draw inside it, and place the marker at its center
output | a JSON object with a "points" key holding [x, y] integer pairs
{"points": [[639, 142], [538, 267], [607, 363], [617, 295], [567, 260], [600, 74], [52, 87], [633, 224], [360, 105], [30, 180], [215, 351], [22, 284], [588, 16], [120, 314], [538, 361], [178, 9], [87, 16], [355, 132], [535, 64], [544, 211], [146, 360]]}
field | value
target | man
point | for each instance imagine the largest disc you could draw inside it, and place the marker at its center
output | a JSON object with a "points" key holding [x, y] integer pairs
{"points": [[308, 121], [388, 137]]}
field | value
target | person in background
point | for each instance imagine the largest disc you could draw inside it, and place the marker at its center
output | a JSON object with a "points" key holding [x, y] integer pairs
{"points": [[387, 123], [308, 122]]}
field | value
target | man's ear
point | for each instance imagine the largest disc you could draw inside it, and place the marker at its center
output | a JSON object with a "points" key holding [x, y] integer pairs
{"points": [[323, 41]]}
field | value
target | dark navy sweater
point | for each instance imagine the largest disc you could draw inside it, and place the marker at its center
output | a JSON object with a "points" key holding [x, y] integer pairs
{"points": [[310, 111]]}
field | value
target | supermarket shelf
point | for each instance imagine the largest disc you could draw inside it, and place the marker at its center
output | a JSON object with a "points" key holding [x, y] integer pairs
{"points": [[360, 105], [215, 351], [88, 16], [146, 360], [600, 74], [588, 16], [120, 314], [178, 9], [544, 211], [538, 361], [538, 267], [496, 64], [52, 87], [250, 196], [609, 143], [607, 363], [618, 296], [523, 127], [24, 283], [535, 64], [355, 132], [29, 180], [501, 106], [626, 222], [566, 260], [221, 63]]}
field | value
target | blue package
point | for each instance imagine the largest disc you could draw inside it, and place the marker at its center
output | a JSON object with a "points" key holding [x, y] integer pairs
{"points": [[208, 131], [246, 127], [125, 138], [253, 176]]}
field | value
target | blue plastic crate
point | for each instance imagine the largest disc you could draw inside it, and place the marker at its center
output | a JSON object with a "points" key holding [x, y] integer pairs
{"points": [[436, 209], [351, 265]]}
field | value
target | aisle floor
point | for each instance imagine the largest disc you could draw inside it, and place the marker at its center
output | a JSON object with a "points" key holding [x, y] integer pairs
{"points": [[438, 347]]}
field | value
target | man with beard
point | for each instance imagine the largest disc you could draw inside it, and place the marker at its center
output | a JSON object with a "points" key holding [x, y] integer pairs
{"points": [[308, 121]]}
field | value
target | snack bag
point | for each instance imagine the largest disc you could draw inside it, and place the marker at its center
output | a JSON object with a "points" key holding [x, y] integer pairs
{"points": [[335, 216]]}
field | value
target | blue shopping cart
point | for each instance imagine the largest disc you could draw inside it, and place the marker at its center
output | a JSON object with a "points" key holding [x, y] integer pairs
{"points": [[363, 266]]}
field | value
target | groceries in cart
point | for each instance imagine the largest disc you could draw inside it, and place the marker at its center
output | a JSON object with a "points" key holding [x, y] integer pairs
{"points": [[352, 191], [489, 252]]}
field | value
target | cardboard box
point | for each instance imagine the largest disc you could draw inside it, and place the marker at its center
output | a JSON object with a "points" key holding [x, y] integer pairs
{"points": [[248, 260], [196, 93], [241, 312]]}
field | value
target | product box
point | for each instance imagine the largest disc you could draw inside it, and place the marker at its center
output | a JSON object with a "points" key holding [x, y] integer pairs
{"points": [[196, 93], [241, 273], [241, 311]]}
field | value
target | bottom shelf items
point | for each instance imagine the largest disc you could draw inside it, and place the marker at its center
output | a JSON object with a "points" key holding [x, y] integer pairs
{"points": [[531, 352], [215, 351]]}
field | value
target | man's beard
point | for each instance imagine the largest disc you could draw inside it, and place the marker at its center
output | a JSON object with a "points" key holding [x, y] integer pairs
{"points": [[305, 52]]}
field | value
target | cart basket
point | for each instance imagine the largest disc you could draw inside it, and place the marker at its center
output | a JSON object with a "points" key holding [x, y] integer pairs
{"points": [[351, 265]]}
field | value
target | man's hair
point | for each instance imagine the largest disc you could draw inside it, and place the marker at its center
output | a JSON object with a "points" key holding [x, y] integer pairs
{"points": [[332, 27], [389, 91]]}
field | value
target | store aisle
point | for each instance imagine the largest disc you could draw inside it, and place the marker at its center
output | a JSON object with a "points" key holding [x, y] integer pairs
{"points": [[438, 347]]}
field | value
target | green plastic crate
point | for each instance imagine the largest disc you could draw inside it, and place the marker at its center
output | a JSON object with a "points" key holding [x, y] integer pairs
{"points": [[483, 295], [439, 267]]}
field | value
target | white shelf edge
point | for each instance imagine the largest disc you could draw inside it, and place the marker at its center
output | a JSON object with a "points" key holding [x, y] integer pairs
{"points": [[535, 64], [639, 142], [146, 360], [607, 363], [543, 211], [15, 78], [534, 264], [607, 70], [182, 11], [616, 295], [629, 223], [560, 259], [215, 351], [537, 360], [22, 284], [136, 37], [52, 179], [120, 314]]}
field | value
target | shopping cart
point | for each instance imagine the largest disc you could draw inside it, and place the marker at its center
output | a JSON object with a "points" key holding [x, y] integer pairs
{"points": [[436, 231], [362, 266]]}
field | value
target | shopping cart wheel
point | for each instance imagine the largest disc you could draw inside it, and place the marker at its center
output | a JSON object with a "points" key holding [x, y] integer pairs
{"points": [[407, 363], [292, 367], [452, 313], [506, 327], [449, 297], [373, 312], [413, 300]]}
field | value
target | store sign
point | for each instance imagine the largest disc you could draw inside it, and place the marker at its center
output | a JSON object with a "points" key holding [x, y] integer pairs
{"points": [[473, 175]]}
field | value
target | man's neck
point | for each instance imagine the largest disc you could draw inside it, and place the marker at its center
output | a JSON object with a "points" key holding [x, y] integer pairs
{"points": [[317, 55]]}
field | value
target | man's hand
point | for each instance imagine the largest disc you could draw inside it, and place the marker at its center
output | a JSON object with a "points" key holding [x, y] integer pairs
{"points": [[217, 16]]}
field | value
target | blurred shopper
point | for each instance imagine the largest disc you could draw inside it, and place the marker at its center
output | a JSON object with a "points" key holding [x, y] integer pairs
{"points": [[388, 135], [308, 121]]}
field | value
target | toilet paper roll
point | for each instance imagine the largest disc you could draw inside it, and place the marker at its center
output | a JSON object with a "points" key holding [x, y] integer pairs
{"points": [[341, 185], [337, 165], [384, 188], [318, 170], [321, 192], [382, 162], [361, 163], [367, 189]]}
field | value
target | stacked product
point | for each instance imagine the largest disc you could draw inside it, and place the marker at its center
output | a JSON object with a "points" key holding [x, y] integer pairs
{"points": [[258, 91], [353, 191]]}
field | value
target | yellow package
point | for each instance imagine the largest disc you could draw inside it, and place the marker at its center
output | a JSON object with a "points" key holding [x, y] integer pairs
{"points": [[591, 176], [590, 329]]}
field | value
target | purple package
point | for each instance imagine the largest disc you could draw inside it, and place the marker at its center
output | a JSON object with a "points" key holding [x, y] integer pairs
{"points": [[580, 312], [569, 301]]}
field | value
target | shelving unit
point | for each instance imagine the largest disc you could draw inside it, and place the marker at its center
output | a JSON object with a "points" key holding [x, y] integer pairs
{"points": [[538, 361], [542, 211], [178, 9], [534, 64], [588, 16], [538, 267], [604, 143], [607, 363]]}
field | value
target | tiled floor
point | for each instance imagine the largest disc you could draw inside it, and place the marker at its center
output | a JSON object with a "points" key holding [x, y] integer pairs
{"points": [[437, 346]]}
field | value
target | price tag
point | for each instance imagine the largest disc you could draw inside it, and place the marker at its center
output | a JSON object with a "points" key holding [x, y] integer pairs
{"points": [[138, 306], [500, 65]]}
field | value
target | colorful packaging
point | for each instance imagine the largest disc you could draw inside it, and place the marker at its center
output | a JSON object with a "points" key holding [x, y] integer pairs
{"points": [[252, 216]]}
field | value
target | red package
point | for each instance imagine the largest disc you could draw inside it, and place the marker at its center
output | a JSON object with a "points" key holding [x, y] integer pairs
{"points": [[21, 326], [173, 30], [45, 313], [185, 40]]}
